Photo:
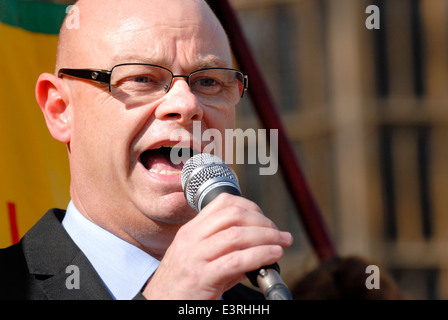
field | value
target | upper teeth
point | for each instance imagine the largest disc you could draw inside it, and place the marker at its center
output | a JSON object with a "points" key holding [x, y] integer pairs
{"points": [[167, 146]]}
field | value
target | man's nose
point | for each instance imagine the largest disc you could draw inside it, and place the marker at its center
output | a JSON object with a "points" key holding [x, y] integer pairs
{"points": [[180, 104]]}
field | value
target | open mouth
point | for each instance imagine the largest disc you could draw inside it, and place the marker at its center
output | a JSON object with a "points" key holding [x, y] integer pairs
{"points": [[166, 160]]}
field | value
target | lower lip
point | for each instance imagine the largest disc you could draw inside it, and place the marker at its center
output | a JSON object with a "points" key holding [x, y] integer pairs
{"points": [[163, 178]]}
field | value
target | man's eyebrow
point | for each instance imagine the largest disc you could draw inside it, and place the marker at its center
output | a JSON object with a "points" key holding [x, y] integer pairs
{"points": [[132, 58], [209, 61]]}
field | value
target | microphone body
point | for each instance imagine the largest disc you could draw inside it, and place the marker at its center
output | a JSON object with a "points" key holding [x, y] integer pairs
{"points": [[204, 177]]}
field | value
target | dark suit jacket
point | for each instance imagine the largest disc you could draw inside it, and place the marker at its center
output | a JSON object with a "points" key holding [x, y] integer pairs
{"points": [[36, 268]]}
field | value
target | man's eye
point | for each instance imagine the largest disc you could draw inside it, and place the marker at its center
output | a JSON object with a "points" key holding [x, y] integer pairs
{"points": [[143, 79], [206, 85], [207, 82]]}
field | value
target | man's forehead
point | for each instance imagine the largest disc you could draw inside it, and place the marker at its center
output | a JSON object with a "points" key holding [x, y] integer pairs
{"points": [[130, 15], [132, 35], [201, 48]]}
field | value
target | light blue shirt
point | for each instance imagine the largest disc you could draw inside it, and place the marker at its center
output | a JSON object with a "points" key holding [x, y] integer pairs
{"points": [[123, 267]]}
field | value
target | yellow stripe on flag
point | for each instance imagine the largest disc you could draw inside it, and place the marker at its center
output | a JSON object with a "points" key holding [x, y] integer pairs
{"points": [[34, 171]]}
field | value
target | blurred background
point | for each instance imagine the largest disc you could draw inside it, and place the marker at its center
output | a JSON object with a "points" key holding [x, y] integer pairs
{"points": [[366, 111]]}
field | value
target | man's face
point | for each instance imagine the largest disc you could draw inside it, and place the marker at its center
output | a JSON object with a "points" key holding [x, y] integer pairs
{"points": [[118, 179]]}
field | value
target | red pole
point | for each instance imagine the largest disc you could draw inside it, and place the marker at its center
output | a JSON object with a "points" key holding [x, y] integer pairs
{"points": [[308, 211]]}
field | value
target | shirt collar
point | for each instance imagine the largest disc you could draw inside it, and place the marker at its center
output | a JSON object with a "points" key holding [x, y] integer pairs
{"points": [[123, 267]]}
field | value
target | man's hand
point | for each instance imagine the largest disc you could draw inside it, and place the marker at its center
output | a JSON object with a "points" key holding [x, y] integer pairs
{"points": [[211, 253]]}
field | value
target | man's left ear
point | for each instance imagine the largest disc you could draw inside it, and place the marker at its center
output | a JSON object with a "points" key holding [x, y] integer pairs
{"points": [[52, 95]]}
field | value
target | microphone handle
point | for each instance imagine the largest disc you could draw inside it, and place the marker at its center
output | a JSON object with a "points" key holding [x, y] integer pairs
{"points": [[267, 278], [271, 284], [212, 193]]}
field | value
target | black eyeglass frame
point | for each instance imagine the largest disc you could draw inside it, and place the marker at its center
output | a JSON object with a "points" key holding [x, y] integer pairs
{"points": [[104, 76]]}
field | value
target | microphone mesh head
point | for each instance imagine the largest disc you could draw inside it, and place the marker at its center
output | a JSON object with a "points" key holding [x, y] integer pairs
{"points": [[200, 168]]}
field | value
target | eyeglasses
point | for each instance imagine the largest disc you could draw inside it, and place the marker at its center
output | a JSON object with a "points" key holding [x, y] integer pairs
{"points": [[144, 83]]}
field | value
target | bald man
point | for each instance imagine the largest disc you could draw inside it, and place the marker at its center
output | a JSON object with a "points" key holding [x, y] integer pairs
{"points": [[132, 73]]}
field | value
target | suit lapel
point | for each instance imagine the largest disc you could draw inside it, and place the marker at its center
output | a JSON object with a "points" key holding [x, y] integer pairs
{"points": [[49, 250], [60, 286]]}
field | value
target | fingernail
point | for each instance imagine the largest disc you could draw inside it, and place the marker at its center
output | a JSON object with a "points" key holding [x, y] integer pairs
{"points": [[286, 238], [277, 251]]}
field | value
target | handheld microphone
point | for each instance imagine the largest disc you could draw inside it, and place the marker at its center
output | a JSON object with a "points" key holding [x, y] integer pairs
{"points": [[204, 177]]}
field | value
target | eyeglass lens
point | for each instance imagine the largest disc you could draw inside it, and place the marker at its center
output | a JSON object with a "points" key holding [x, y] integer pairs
{"points": [[146, 83]]}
